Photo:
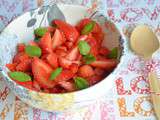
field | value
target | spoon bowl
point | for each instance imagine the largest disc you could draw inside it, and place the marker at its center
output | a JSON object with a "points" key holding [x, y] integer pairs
{"points": [[143, 41]]}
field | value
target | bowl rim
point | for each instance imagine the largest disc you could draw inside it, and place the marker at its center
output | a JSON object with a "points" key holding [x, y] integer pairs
{"points": [[78, 91]]}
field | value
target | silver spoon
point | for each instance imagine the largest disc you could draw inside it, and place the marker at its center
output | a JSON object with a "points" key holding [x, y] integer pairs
{"points": [[144, 43]]}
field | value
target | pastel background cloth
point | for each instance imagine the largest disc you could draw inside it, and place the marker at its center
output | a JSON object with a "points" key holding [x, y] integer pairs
{"points": [[129, 99]]}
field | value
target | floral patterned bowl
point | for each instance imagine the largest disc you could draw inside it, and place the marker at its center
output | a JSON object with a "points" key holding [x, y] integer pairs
{"points": [[21, 30]]}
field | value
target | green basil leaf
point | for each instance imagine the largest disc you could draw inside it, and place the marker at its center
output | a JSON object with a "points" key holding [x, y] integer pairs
{"points": [[40, 31], [20, 76], [84, 47], [81, 83], [88, 28], [89, 58], [114, 53], [55, 73], [33, 51]]}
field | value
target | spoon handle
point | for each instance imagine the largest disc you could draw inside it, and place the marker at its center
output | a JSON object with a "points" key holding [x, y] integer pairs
{"points": [[155, 87]]}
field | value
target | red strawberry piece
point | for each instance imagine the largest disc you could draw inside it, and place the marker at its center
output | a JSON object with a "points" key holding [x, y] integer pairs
{"points": [[51, 29], [64, 48], [74, 67], [64, 76], [46, 90], [21, 47], [86, 71], [99, 71], [101, 58], [104, 51], [65, 63], [36, 85], [99, 37], [97, 28], [67, 85], [11, 66], [57, 39], [60, 52], [41, 72], [107, 64], [82, 38], [94, 46], [57, 89], [32, 43], [69, 44], [73, 53], [26, 84], [52, 59], [79, 57], [69, 31], [20, 57], [24, 66], [46, 43], [94, 79], [82, 23]]}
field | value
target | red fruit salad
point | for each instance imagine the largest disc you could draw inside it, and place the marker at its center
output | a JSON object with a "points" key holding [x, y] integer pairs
{"points": [[63, 58]]}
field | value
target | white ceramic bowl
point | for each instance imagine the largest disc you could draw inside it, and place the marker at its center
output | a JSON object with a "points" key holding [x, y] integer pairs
{"points": [[21, 30]]}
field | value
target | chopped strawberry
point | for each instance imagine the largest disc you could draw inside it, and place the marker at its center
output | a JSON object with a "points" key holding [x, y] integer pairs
{"points": [[41, 72], [51, 29], [86, 71], [11, 66], [67, 85], [93, 43], [65, 63], [97, 28], [64, 48], [99, 71], [94, 79], [20, 57], [57, 89], [101, 58], [21, 47], [99, 37], [73, 53], [69, 44], [24, 66], [69, 31], [64, 76], [74, 68], [57, 39], [45, 90], [82, 23], [82, 38], [60, 52], [107, 64], [26, 84], [46, 43], [104, 51], [79, 57], [36, 85], [33, 43], [52, 59]]}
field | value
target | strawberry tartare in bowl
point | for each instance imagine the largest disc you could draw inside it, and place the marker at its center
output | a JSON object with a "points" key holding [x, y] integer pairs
{"points": [[60, 57]]}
